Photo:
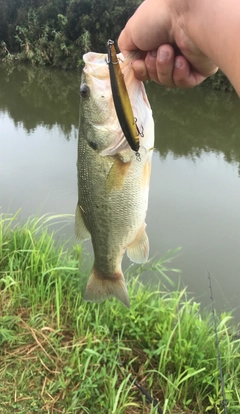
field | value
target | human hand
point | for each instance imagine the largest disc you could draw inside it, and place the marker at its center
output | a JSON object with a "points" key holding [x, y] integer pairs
{"points": [[169, 55]]}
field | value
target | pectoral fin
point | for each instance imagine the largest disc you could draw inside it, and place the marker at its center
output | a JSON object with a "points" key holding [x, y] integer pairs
{"points": [[117, 174], [81, 231], [138, 251]]}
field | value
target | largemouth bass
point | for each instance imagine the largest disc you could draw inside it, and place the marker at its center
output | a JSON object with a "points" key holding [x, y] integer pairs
{"points": [[113, 184]]}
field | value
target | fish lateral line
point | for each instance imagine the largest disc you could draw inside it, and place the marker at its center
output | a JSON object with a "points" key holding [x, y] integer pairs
{"points": [[121, 99]]}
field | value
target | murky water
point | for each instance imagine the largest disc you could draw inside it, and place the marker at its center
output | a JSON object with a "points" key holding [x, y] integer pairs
{"points": [[195, 188]]}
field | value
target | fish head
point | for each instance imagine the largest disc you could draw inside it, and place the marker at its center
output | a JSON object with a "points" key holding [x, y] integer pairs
{"points": [[99, 124]]}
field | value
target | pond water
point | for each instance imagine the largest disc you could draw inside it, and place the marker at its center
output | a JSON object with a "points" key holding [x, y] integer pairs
{"points": [[195, 186]]}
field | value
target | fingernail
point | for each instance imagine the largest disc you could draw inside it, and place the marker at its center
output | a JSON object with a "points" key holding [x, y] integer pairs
{"points": [[153, 53], [163, 54], [178, 63]]}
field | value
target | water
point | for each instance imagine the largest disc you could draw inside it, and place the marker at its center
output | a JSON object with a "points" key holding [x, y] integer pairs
{"points": [[195, 187]]}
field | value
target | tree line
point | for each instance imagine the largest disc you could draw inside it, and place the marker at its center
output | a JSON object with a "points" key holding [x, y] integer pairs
{"points": [[58, 32]]}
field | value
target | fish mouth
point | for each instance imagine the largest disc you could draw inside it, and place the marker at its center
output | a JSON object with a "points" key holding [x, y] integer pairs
{"points": [[96, 65], [103, 114]]}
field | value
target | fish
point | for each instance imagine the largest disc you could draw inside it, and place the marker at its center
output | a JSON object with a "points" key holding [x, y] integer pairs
{"points": [[113, 183]]}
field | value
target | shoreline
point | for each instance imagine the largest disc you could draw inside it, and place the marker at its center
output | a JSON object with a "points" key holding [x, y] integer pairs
{"points": [[217, 82]]}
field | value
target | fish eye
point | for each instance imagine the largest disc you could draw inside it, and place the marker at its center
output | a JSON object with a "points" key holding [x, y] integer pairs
{"points": [[84, 90]]}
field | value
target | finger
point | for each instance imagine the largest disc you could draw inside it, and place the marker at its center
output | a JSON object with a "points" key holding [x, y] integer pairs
{"points": [[125, 41], [165, 65], [184, 76], [144, 30], [158, 66], [140, 70]]}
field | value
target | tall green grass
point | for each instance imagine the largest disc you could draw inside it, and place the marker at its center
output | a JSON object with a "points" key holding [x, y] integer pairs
{"points": [[59, 354]]}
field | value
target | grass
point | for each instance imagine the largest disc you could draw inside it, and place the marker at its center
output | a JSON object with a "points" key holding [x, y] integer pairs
{"points": [[59, 354]]}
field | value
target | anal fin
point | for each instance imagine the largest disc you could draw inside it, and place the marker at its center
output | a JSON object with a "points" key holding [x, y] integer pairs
{"points": [[138, 251], [81, 231]]}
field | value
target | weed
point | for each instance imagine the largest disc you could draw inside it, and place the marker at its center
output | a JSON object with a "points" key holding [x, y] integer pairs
{"points": [[60, 354]]}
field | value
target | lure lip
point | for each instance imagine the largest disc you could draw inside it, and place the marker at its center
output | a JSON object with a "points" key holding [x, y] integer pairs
{"points": [[121, 99]]}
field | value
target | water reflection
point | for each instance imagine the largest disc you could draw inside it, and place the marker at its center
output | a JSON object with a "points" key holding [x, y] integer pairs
{"points": [[195, 187], [189, 123], [37, 96]]}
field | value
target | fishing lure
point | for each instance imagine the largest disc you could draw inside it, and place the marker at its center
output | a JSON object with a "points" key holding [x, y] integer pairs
{"points": [[121, 100]]}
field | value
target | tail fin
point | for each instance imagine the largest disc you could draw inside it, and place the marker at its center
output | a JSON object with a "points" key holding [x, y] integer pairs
{"points": [[101, 286]]}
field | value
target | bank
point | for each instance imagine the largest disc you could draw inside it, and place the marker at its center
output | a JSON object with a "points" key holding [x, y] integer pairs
{"points": [[61, 354]]}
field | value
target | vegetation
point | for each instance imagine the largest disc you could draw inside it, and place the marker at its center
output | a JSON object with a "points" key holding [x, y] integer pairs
{"points": [[60, 354], [58, 32]]}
